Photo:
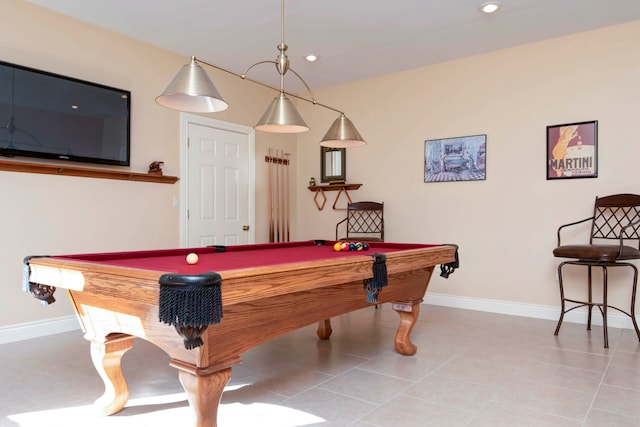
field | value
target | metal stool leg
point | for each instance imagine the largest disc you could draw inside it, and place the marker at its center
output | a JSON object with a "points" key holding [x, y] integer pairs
{"points": [[604, 306], [633, 300], [562, 304], [590, 292]]}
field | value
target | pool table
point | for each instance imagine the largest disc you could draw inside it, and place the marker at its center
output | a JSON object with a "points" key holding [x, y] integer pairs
{"points": [[265, 290]]}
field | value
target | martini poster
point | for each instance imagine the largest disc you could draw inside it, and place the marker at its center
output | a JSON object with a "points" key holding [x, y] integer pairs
{"points": [[572, 150]]}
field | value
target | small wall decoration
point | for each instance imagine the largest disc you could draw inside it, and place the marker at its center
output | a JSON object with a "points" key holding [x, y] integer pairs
{"points": [[572, 150], [455, 159]]}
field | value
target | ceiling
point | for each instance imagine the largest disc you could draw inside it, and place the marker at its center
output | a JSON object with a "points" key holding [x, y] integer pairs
{"points": [[355, 39]]}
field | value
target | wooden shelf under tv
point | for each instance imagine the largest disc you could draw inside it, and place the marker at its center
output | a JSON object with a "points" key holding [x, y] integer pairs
{"points": [[84, 172]]}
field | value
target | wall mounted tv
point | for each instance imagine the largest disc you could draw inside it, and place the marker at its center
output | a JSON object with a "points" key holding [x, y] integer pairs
{"points": [[50, 116]]}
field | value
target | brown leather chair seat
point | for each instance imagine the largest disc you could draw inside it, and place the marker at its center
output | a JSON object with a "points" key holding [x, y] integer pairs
{"points": [[597, 253]]}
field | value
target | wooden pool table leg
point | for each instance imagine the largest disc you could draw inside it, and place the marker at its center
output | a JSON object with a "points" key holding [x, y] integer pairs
{"points": [[106, 355], [408, 312], [203, 392], [324, 329]]}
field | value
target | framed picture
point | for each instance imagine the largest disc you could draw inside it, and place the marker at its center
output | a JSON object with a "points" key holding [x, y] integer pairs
{"points": [[572, 150], [333, 165], [455, 159]]}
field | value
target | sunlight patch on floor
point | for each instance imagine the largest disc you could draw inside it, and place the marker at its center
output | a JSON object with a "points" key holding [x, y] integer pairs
{"points": [[233, 414], [264, 415], [79, 416]]}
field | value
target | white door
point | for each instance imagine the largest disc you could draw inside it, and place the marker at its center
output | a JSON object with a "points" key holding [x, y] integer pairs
{"points": [[218, 183]]}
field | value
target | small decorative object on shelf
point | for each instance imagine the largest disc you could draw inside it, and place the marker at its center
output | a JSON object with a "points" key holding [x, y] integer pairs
{"points": [[312, 181], [155, 168]]}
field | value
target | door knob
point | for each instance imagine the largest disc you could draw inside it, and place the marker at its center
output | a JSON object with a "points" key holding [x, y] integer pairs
{"points": [[245, 228]]}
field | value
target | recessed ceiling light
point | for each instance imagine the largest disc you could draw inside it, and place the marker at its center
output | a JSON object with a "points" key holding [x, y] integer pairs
{"points": [[490, 6], [311, 57]]}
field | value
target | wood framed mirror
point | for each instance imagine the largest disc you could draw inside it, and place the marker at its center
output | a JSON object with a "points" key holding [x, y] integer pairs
{"points": [[333, 164]]}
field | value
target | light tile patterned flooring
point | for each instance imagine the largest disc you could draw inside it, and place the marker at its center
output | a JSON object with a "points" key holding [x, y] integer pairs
{"points": [[472, 369]]}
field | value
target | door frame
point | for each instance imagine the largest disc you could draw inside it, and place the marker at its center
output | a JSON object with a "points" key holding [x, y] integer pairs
{"points": [[187, 119]]}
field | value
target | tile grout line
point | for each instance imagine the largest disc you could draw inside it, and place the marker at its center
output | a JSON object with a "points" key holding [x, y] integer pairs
{"points": [[604, 374]]}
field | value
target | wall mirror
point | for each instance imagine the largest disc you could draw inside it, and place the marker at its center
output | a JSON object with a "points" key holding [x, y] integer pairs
{"points": [[333, 163]]}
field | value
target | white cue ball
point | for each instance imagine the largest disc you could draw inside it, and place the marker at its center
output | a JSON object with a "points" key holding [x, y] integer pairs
{"points": [[192, 258]]}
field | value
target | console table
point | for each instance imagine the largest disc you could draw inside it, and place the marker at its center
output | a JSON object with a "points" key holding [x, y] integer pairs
{"points": [[340, 188]]}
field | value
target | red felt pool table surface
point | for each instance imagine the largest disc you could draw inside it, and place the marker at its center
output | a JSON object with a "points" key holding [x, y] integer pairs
{"points": [[267, 290], [236, 257]]}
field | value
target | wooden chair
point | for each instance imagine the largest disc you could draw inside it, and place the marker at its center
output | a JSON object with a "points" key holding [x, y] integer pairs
{"points": [[364, 222], [615, 218]]}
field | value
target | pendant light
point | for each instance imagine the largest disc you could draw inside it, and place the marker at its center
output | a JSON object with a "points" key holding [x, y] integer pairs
{"points": [[342, 134], [192, 90]]}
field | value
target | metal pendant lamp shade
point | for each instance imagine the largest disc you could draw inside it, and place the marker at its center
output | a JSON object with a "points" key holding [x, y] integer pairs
{"points": [[192, 90], [281, 117], [342, 134]]}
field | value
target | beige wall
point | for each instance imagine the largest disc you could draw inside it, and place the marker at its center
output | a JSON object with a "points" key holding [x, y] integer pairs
{"points": [[46, 214], [505, 226]]}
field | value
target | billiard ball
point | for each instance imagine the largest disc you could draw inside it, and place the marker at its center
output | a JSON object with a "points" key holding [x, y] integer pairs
{"points": [[337, 247], [192, 258], [365, 246], [345, 246], [358, 246], [352, 246]]}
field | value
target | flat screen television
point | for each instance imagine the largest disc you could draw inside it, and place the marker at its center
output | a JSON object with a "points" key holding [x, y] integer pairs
{"points": [[50, 116]]}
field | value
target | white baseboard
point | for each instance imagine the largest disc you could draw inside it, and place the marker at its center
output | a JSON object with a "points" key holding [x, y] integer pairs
{"points": [[41, 328], [614, 318]]}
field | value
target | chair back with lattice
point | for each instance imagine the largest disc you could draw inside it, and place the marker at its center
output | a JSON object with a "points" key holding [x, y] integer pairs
{"points": [[611, 215], [365, 221]]}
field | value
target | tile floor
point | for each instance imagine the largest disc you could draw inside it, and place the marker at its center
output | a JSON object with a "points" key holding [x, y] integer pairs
{"points": [[472, 369]]}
